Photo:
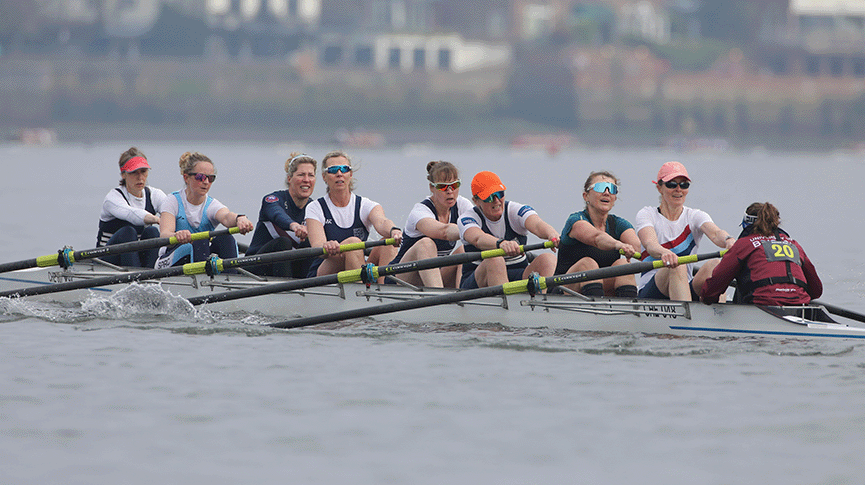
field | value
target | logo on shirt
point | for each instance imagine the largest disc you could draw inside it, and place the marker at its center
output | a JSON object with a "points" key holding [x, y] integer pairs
{"points": [[524, 209], [271, 198], [468, 220]]}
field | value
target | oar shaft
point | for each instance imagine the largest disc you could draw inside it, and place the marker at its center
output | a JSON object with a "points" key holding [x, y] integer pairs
{"points": [[623, 269], [353, 276], [513, 287], [427, 301], [294, 254], [143, 244], [96, 282], [186, 269], [23, 264], [54, 259], [451, 260]]}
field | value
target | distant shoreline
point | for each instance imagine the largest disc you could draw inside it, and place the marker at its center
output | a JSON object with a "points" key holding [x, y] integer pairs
{"points": [[500, 131]]}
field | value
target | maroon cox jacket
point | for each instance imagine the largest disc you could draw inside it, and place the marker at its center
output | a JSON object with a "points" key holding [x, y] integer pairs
{"points": [[771, 270]]}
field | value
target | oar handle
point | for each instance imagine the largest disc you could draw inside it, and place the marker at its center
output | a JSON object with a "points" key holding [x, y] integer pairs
{"points": [[636, 255]]}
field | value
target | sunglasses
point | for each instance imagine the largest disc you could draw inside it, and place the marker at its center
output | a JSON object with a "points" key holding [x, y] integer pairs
{"points": [[338, 168], [495, 195], [672, 184], [600, 187], [444, 186], [201, 177]]}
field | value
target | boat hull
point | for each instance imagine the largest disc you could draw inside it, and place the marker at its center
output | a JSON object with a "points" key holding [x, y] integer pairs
{"points": [[515, 311]]}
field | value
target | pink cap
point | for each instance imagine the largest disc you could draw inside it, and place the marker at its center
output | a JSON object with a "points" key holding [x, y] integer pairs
{"points": [[671, 170], [134, 164]]}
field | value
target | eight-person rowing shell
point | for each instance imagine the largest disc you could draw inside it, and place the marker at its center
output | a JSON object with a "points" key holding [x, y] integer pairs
{"points": [[769, 266]]}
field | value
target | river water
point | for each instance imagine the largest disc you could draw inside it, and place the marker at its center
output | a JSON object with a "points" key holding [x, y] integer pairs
{"points": [[107, 392]]}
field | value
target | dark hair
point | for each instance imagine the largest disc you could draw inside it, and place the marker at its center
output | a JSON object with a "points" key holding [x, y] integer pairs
{"points": [[125, 156], [768, 218], [438, 169]]}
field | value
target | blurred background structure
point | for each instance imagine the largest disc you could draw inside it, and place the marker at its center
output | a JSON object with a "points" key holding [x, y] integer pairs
{"points": [[686, 72]]}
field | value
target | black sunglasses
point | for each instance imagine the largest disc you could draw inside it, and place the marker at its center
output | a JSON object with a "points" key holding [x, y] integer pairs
{"points": [[671, 184]]}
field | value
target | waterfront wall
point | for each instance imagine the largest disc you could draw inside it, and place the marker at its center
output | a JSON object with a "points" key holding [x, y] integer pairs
{"points": [[592, 90], [40, 91]]}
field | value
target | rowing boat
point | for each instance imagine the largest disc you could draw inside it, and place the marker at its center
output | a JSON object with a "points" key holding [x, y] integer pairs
{"points": [[556, 311]]}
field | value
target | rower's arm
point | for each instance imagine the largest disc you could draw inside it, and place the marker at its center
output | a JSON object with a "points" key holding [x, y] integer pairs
{"points": [[720, 237], [167, 224], [437, 229], [315, 233], [539, 228]]}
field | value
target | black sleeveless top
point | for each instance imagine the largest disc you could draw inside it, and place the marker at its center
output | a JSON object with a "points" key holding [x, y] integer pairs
{"points": [[108, 228]]}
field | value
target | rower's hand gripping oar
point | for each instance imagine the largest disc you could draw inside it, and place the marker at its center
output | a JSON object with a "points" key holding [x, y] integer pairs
{"points": [[514, 287], [366, 274], [211, 267], [66, 256]]}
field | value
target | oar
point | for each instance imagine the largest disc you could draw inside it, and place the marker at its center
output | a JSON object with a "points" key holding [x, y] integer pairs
{"points": [[355, 275], [73, 256], [214, 266], [511, 288], [841, 312]]}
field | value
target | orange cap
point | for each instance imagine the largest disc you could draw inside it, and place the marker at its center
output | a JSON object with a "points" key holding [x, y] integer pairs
{"points": [[671, 170], [485, 183]]}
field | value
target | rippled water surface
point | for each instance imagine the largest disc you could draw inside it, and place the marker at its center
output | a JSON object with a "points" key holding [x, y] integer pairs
{"points": [[140, 387]]}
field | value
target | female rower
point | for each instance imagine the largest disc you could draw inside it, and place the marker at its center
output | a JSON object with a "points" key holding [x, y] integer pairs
{"points": [[129, 211], [191, 210], [281, 220], [672, 230], [496, 223], [431, 228], [769, 266], [593, 238], [341, 217]]}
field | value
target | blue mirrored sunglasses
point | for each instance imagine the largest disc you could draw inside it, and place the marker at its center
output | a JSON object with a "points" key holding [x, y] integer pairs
{"points": [[495, 195], [602, 186], [338, 168], [748, 220]]}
